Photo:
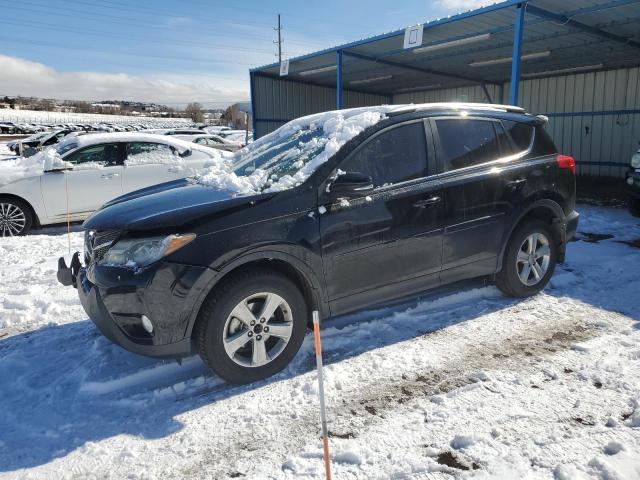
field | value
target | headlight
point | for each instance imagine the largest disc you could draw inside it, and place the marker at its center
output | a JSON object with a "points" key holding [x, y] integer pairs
{"points": [[140, 252], [635, 160]]}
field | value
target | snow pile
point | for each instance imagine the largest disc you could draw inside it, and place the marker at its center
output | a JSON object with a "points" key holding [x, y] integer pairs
{"points": [[159, 157], [334, 130], [16, 169]]}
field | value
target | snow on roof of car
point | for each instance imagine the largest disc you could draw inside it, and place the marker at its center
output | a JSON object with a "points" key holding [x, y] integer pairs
{"points": [[337, 128], [98, 138]]}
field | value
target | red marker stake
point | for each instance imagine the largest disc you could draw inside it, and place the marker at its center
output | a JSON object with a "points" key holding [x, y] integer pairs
{"points": [[323, 415]]}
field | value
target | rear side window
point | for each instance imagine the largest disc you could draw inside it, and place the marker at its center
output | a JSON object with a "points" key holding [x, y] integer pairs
{"points": [[543, 145], [394, 156], [466, 142], [520, 133]]}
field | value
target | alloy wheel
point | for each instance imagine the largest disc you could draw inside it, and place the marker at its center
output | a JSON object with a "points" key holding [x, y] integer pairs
{"points": [[533, 259], [258, 329], [12, 220]]}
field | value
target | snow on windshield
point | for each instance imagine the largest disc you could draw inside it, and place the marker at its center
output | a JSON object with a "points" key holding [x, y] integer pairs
{"points": [[287, 157], [19, 168]]}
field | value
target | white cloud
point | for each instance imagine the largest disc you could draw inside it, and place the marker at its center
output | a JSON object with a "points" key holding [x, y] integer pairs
{"points": [[455, 6], [23, 77]]}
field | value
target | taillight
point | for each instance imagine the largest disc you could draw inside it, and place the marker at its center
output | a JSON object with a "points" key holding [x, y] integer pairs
{"points": [[567, 162]]}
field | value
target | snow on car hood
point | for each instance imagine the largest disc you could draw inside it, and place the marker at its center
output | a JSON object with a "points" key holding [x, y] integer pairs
{"points": [[19, 168], [334, 130]]}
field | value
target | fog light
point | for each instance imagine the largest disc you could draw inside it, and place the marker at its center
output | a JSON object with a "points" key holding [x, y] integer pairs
{"points": [[146, 324], [629, 180]]}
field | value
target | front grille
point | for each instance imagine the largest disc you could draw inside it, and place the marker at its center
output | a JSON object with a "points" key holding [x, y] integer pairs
{"points": [[97, 244]]}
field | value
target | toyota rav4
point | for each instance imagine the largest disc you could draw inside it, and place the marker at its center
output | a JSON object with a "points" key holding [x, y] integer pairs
{"points": [[332, 212]]}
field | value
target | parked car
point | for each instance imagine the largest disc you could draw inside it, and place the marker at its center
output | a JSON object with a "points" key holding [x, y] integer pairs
{"points": [[213, 141], [183, 131], [632, 181], [39, 140], [8, 127], [99, 167], [231, 266]]}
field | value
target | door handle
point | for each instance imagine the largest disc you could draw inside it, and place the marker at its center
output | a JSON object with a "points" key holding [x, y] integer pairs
{"points": [[174, 169], [426, 202], [517, 183], [109, 175]]}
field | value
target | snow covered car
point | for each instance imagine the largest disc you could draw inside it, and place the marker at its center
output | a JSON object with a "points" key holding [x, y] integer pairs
{"points": [[213, 141], [81, 173], [39, 140], [332, 212], [632, 179]]}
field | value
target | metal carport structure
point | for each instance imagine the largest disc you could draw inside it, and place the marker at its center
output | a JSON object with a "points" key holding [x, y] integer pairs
{"points": [[575, 61]]}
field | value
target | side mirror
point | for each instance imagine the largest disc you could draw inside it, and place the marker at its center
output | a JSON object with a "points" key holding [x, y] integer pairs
{"points": [[186, 153], [59, 167], [350, 185]]}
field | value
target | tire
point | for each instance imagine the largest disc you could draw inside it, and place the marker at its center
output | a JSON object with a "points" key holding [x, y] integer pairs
{"points": [[223, 317], [510, 280], [15, 217], [634, 206]]}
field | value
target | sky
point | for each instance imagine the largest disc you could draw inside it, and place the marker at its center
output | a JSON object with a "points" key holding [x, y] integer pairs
{"points": [[177, 51]]}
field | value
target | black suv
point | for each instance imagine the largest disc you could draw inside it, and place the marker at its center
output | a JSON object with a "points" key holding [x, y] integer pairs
{"points": [[425, 196]]}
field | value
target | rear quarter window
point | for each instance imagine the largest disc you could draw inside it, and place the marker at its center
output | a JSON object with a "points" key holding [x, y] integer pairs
{"points": [[521, 134], [543, 145]]}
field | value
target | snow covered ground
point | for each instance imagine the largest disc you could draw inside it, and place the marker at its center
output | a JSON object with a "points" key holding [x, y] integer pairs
{"points": [[460, 383]]}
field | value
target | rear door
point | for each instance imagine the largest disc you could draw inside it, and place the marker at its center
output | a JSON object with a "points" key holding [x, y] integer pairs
{"points": [[387, 243], [482, 181], [95, 179], [149, 163]]}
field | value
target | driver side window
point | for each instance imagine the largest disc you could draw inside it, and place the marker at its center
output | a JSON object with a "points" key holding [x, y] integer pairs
{"points": [[393, 156], [105, 154]]}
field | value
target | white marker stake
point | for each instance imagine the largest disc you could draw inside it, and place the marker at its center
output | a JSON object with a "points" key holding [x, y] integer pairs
{"points": [[323, 415]]}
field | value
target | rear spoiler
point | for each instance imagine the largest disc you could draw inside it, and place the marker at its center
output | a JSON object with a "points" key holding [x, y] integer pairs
{"points": [[543, 118]]}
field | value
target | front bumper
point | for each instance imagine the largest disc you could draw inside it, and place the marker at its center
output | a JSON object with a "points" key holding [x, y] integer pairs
{"points": [[116, 298], [632, 183]]}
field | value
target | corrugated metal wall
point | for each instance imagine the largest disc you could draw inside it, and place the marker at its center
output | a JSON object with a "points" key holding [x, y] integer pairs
{"points": [[279, 100], [593, 116]]}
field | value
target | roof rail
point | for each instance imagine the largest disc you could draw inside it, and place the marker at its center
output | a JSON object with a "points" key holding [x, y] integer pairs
{"points": [[456, 106]]}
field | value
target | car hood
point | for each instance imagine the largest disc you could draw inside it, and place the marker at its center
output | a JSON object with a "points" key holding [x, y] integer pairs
{"points": [[167, 205]]}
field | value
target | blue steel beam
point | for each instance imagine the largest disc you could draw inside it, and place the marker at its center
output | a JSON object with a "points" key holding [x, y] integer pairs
{"points": [[517, 53], [567, 21], [339, 80]]}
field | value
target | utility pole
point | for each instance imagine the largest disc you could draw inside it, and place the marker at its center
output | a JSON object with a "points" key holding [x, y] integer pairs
{"points": [[279, 41]]}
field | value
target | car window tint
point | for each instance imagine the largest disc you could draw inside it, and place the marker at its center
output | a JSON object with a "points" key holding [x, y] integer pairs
{"points": [[394, 156], [201, 141], [104, 154], [543, 145], [148, 153], [520, 133], [466, 142]]}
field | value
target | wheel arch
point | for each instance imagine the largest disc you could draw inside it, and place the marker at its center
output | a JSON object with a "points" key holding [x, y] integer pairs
{"points": [[289, 265], [36, 219], [547, 210]]}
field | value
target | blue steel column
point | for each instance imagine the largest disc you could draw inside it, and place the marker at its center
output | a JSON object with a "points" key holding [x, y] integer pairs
{"points": [[252, 92], [339, 79], [517, 53]]}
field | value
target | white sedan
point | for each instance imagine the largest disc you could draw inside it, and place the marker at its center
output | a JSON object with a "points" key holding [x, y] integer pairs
{"points": [[81, 173]]}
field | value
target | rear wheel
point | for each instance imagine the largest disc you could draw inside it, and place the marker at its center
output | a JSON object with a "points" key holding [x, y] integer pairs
{"points": [[252, 326], [15, 217], [529, 260]]}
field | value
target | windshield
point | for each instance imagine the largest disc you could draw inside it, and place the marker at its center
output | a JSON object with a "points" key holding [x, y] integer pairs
{"points": [[284, 156]]}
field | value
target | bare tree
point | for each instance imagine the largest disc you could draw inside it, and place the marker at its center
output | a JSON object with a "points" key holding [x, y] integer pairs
{"points": [[194, 111]]}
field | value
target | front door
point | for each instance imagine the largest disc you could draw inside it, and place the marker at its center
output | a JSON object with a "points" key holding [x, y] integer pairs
{"points": [[388, 243], [95, 179]]}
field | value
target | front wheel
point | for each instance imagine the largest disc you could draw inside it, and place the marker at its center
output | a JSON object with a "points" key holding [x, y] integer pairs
{"points": [[252, 326], [529, 260], [15, 217]]}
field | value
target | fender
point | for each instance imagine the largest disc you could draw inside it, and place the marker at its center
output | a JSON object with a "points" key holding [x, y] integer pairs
{"points": [[318, 292], [552, 205]]}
